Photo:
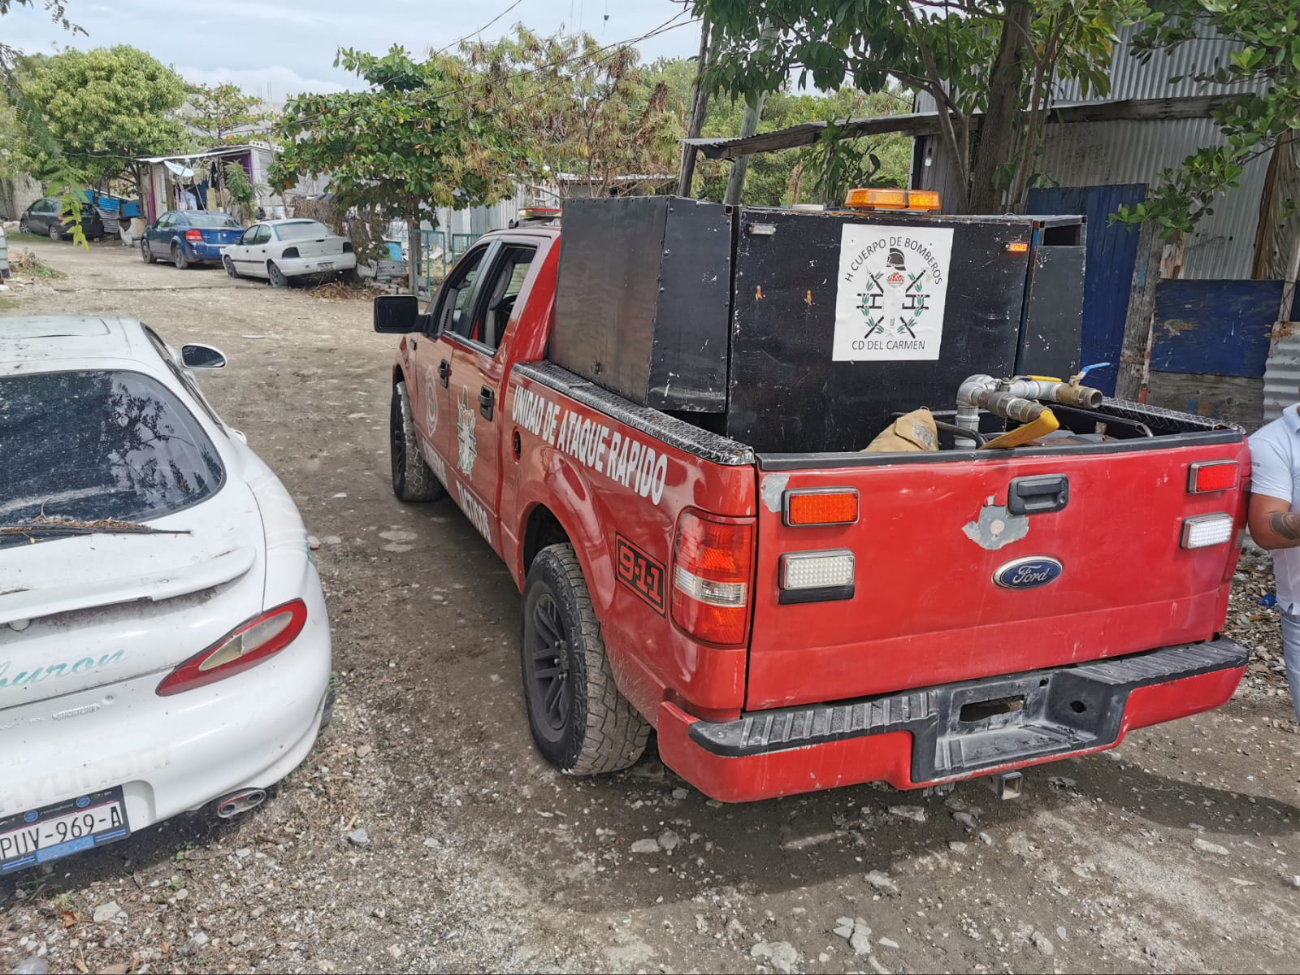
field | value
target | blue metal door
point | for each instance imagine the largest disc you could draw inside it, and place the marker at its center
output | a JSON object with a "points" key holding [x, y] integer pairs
{"points": [[1110, 256]]}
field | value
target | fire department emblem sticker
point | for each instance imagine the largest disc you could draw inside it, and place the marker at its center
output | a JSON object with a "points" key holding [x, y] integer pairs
{"points": [[465, 436], [890, 300]]}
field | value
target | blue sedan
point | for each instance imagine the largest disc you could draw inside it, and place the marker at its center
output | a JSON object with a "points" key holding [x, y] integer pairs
{"points": [[187, 237]]}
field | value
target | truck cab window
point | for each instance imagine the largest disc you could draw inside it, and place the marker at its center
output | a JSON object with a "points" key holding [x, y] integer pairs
{"points": [[501, 290], [453, 314]]}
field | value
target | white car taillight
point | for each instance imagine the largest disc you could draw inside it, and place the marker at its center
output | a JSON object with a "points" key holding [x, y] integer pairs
{"points": [[248, 645], [1203, 531], [816, 570]]}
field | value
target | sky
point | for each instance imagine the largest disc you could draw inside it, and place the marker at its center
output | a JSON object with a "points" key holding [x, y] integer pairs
{"points": [[277, 48]]}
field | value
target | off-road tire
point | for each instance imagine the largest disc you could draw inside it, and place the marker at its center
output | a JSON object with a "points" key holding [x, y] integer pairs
{"points": [[602, 731], [412, 479]]}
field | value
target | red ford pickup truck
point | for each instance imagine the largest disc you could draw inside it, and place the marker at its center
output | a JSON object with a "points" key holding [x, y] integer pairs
{"points": [[796, 621]]}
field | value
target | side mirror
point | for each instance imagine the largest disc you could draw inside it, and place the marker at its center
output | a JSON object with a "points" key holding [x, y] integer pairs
{"points": [[202, 357], [397, 314]]}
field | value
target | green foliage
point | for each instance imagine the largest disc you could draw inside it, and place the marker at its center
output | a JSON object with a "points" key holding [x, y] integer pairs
{"points": [[58, 11], [948, 49], [217, 110], [422, 135], [240, 189], [97, 110], [1252, 125], [584, 109]]}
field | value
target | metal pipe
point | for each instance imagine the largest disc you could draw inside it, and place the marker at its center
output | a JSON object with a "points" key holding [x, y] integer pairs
{"points": [[1011, 399], [239, 802]]}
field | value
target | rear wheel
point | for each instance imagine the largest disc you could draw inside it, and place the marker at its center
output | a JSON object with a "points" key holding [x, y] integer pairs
{"points": [[412, 478], [55, 232], [178, 257], [145, 253], [229, 265], [579, 720], [278, 280]]}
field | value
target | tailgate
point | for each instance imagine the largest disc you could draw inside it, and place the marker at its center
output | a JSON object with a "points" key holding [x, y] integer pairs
{"points": [[932, 535]]}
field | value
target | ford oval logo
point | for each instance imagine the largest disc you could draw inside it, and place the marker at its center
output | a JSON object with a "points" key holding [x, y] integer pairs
{"points": [[1028, 573]]}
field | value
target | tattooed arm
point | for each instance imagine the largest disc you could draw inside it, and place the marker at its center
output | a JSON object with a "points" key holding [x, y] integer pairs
{"points": [[1272, 523]]}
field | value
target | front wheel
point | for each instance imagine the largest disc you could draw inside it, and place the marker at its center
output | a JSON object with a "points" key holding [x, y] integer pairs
{"points": [[229, 265], [23, 228], [278, 280], [580, 722], [412, 478]]}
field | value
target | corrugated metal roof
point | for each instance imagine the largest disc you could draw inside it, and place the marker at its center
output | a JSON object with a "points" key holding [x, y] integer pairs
{"points": [[1282, 376], [1131, 78]]}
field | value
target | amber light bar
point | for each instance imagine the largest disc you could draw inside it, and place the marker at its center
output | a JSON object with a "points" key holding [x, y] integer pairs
{"points": [[890, 198]]}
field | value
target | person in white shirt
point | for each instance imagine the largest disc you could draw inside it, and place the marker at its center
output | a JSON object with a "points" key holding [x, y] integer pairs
{"points": [[1274, 519], [187, 200]]}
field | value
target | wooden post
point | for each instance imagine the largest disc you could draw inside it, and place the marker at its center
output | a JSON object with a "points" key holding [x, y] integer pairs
{"points": [[1136, 348], [748, 126], [699, 109]]}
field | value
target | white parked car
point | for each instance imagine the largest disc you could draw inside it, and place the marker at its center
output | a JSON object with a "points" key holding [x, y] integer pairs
{"points": [[164, 643], [280, 250]]}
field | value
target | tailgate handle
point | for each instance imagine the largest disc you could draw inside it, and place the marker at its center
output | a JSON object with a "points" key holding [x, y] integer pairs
{"points": [[1039, 494]]}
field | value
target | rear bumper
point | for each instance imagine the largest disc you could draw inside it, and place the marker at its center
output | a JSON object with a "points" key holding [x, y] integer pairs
{"points": [[292, 267], [919, 738], [204, 253]]}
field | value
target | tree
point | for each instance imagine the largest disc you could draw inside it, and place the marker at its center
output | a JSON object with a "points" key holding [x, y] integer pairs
{"points": [[583, 109], [422, 135], [1000, 60], [58, 11], [99, 110], [1267, 115], [217, 112]]}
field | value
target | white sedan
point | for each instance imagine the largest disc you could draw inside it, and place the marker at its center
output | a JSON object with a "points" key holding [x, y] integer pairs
{"points": [[164, 644], [280, 250]]}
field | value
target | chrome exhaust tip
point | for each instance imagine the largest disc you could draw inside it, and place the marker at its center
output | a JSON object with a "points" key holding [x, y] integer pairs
{"points": [[239, 802]]}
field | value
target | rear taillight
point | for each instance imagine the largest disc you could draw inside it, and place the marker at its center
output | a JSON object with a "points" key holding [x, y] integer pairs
{"points": [[711, 571], [347, 247], [1211, 475], [193, 235], [248, 645], [289, 252], [1203, 531], [821, 506]]}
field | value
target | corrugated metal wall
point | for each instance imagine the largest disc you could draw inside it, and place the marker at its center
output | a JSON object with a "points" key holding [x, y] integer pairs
{"points": [[1097, 153]]}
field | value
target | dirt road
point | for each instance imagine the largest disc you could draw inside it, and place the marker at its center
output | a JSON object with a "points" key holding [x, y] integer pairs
{"points": [[1177, 852]]}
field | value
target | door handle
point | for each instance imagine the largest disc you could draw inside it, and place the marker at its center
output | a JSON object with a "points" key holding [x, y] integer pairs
{"points": [[1038, 495], [485, 400], [444, 372]]}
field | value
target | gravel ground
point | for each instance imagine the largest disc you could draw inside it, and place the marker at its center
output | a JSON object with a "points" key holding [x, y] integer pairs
{"points": [[424, 833]]}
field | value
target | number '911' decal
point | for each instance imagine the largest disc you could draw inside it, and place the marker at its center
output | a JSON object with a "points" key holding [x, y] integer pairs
{"points": [[640, 573]]}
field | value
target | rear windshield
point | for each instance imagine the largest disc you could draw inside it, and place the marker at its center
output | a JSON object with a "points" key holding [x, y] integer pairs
{"points": [[95, 445], [220, 221], [301, 229]]}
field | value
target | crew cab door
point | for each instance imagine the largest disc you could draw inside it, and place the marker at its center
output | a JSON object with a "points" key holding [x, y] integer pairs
{"points": [[478, 340]]}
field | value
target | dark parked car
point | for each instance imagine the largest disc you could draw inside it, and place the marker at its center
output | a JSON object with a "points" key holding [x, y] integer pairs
{"points": [[44, 217], [187, 237]]}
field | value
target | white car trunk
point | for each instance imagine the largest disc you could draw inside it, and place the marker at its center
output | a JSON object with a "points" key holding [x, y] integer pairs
{"points": [[310, 247], [90, 611]]}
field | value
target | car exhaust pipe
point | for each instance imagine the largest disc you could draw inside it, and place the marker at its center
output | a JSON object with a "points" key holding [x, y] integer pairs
{"points": [[1006, 785], [240, 802]]}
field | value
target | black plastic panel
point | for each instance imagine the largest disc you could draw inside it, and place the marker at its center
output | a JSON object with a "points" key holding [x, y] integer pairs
{"points": [[1053, 331], [642, 299], [1064, 709]]}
